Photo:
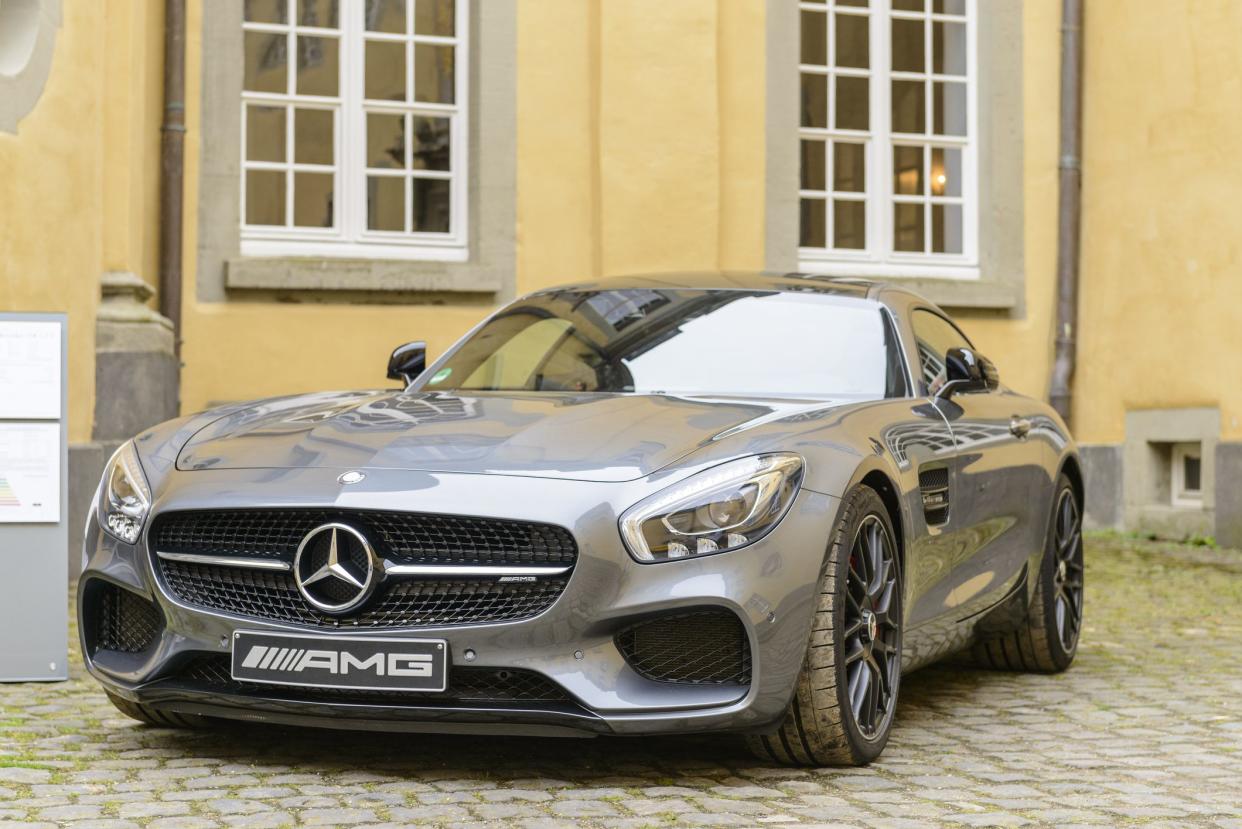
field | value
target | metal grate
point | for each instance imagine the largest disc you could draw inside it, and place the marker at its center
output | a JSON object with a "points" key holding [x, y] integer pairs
{"points": [[934, 490], [274, 596], [126, 622], [404, 538], [466, 684], [700, 647]]}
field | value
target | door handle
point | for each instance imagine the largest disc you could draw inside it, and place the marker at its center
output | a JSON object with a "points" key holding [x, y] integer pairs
{"points": [[1019, 427]]}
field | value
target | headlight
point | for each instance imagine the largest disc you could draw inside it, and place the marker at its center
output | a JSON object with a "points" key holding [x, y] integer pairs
{"points": [[722, 508], [125, 498]]}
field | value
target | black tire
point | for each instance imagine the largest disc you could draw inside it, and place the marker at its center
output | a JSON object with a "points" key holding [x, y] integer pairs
{"points": [[1048, 638], [825, 724], [152, 716]]}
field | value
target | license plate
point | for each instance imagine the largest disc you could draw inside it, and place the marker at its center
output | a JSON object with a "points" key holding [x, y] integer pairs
{"points": [[358, 662]]}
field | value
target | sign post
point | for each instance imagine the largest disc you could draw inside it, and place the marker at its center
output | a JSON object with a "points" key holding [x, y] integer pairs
{"points": [[34, 472]]}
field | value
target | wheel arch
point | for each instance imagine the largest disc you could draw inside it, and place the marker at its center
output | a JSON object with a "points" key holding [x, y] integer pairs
{"points": [[877, 480], [1072, 468]]}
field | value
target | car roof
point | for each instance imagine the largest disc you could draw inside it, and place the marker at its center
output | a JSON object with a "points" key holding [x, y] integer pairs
{"points": [[793, 282]]}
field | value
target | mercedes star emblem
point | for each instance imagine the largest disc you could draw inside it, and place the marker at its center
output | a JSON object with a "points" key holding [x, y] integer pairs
{"points": [[335, 568]]}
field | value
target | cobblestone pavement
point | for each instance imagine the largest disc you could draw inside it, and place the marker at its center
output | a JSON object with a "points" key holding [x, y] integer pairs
{"points": [[1145, 729]]}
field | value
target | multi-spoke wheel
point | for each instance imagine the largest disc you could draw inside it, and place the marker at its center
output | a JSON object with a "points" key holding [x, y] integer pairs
{"points": [[872, 634], [1047, 639], [1067, 577], [842, 709]]}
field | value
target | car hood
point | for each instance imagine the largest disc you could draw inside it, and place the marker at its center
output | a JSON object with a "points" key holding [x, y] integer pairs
{"points": [[593, 437]]}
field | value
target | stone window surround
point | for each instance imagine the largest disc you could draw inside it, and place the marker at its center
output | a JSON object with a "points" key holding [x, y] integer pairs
{"points": [[1000, 159], [27, 43], [1147, 453], [223, 272]]}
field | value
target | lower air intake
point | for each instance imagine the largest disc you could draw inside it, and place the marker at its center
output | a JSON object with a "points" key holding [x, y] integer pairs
{"points": [[122, 621], [698, 647]]}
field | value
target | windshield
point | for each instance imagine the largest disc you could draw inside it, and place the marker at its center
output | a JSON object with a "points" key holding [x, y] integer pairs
{"points": [[685, 342]]}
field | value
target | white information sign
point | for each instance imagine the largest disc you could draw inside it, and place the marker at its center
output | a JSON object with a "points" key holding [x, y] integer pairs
{"points": [[29, 370], [29, 473]]}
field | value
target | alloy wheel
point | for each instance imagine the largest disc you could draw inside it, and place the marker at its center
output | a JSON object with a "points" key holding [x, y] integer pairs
{"points": [[1067, 579], [872, 628]]}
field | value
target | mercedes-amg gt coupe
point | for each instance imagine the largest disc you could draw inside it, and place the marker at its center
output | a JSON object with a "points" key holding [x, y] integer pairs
{"points": [[662, 504]]}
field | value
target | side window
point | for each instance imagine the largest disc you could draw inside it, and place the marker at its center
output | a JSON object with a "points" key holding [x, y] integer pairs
{"points": [[933, 337]]}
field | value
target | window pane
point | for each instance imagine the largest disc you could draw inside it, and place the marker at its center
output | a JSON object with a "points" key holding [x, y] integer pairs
{"points": [[812, 224], [433, 73], [265, 197], [267, 62], [849, 224], [1192, 472], [814, 158], [386, 141], [908, 5], [849, 167], [909, 107], [434, 17], [266, 11], [321, 13], [908, 227], [946, 171], [814, 100], [386, 203], [385, 70], [949, 6], [265, 133], [312, 199], [385, 16], [949, 108], [431, 143], [853, 104], [312, 136], [946, 228], [815, 38], [933, 337], [319, 67], [859, 3], [431, 205], [948, 48], [852, 41], [908, 171], [908, 55]]}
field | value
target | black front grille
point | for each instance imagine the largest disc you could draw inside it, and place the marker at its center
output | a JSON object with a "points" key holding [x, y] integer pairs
{"points": [[402, 537], [410, 602], [122, 621], [399, 538], [466, 685], [698, 647]]}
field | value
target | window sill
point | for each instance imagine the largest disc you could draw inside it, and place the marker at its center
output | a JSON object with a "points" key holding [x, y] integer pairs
{"points": [[952, 286], [338, 275]]}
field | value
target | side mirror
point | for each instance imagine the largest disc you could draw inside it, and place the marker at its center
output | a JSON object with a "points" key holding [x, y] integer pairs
{"points": [[407, 361], [967, 371]]}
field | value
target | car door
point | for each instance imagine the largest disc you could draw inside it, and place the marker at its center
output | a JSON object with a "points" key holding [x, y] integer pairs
{"points": [[1000, 489]]}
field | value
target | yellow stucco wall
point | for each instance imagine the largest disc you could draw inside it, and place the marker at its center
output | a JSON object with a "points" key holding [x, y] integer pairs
{"points": [[623, 166], [1161, 322], [640, 147], [79, 180]]}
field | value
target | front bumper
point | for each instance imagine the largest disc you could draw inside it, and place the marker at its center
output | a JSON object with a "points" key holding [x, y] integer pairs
{"points": [[770, 586]]}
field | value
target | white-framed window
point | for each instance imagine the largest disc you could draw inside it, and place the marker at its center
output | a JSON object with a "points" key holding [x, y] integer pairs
{"points": [[889, 181], [354, 135], [1187, 471]]}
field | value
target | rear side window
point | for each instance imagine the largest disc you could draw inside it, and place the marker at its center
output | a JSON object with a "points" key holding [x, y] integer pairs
{"points": [[933, 337]]}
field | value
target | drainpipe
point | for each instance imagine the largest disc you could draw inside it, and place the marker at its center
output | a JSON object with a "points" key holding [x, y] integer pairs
{"points": [[172, 167], [1069, 206]]}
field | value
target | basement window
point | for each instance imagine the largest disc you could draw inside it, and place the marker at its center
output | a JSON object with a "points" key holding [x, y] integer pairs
{"points": [[1187, 475]]}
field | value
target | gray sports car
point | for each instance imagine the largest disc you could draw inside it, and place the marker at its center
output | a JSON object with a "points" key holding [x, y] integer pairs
{"points": [[660, 504]]}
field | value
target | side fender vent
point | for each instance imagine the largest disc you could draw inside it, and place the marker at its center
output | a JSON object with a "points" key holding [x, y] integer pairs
{"points": [[934, 488]]}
